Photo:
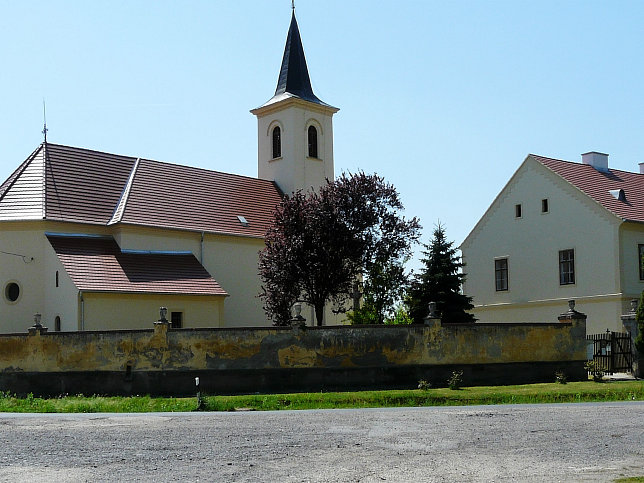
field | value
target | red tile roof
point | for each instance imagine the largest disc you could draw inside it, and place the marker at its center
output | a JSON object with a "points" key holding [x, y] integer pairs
{"points": [[83, 185], [86, 186], [172, 196], [97, 264], [597, 185]]}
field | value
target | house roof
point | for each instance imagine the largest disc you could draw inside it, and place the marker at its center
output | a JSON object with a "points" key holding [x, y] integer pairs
{"points": [[96, 263], [294, 80], [599, 184], [64, 183]]}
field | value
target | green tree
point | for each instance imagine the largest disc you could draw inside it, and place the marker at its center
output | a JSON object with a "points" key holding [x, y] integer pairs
{"points": [[385, 283], [440, 280]]}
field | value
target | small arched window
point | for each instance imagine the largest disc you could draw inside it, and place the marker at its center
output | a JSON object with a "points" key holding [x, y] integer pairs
{"points": [[57, 324], [56, 278], [313, 142], [277, 142]]}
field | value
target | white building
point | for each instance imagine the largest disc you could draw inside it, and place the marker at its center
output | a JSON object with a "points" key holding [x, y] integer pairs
{"points": [[94, 240], [557, 231]]}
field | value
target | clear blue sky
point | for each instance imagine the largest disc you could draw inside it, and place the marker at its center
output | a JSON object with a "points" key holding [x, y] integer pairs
{"points": [[444, 99]]}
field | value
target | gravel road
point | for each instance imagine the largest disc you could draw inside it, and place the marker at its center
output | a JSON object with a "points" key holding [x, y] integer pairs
{"points": [[565, 442]]}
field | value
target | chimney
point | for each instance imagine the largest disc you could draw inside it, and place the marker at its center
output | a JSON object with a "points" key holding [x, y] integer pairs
{"points": [[641, 168], [599, 161]]}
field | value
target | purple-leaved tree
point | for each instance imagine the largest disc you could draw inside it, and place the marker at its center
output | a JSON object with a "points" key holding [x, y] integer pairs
{"points": [[321, 242]]}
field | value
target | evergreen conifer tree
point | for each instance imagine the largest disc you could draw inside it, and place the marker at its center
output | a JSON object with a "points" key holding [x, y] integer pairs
{"points": [[439, 281]]}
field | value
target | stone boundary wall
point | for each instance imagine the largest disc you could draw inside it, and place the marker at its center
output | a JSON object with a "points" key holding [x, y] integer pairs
{"points": [[248, 360]]}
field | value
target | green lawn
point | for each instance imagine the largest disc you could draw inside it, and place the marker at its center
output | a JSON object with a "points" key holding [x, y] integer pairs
{"points": [[530, 393]]}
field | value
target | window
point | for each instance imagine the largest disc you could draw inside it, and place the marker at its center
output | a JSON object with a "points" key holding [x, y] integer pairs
{"points": [[566, 267], [501, 274], [277, 142], [56, 278], [57, 324], [544, 205], [640, 249], [12, 291], [176, 320], [313, 142], [517, 211]]}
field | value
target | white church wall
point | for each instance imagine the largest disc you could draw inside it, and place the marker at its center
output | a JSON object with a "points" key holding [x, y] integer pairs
{"points": [[21, 238]]}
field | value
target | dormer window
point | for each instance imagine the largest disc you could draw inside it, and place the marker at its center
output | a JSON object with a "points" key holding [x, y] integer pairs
{"points": [[313, 142], [277, 142], [243, 220]]}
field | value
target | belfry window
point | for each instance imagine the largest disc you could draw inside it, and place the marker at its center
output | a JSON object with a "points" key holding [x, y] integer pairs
{"points": [[313, 142], [277, 142]]}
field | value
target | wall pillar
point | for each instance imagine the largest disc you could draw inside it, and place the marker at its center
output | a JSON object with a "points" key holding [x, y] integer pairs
{"points": [[37, 328], [572, 315], [629, 321], [432, 317]]}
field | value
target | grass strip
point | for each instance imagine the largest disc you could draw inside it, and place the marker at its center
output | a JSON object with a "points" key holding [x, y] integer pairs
{"points": [[480, 395]]}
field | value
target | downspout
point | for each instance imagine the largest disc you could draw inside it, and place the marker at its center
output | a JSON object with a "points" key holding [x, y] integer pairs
{"points": [[82, 311], [201, 245]]}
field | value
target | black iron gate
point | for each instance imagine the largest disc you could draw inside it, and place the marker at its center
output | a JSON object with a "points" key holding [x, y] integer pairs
{"points": [[612, 351]]}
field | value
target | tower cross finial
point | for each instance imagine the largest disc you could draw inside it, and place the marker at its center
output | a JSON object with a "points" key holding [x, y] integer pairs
{"points": [[293, 4], [44, 117]]}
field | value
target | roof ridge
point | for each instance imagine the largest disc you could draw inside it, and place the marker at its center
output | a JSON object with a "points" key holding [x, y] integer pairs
{"points": [[577, 163], [89, 150], [199, 168], [170, 163]]}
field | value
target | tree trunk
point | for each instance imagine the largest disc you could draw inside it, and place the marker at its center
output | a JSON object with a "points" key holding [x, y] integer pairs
{"points": [[319, 314]]}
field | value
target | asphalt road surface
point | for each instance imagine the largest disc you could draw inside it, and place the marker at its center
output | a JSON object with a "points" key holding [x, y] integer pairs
{"points": [[565, 442]]}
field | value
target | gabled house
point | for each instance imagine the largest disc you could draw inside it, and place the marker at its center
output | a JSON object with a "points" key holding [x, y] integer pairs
{"points": [[93, 240], [559, 230]]}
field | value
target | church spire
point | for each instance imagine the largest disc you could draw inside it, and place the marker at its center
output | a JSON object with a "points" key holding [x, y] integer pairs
{"points": [[294, 127], [294, 74]]}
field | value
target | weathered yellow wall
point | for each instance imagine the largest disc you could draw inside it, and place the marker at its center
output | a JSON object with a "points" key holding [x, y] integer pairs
{"points": [[273, 348], [108, 311]]}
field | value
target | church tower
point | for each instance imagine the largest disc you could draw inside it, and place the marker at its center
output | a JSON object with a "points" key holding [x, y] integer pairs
{"points": [[294, 128]]}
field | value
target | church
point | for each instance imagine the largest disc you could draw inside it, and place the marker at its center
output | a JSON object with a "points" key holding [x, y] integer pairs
{"points": [[98, 241]]}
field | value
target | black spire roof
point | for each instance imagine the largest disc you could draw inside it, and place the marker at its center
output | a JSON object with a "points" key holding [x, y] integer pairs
{"points": [[294, 81], [294, 75]]}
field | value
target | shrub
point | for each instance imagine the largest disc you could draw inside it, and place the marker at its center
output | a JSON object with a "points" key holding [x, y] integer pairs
{"points": [[401, 317], [561, 378], [424, 385], [456, 380], [595, 370]]}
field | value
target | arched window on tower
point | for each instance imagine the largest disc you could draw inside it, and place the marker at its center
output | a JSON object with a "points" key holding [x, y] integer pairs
{"points": [[313, 142], [277, 142]]}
